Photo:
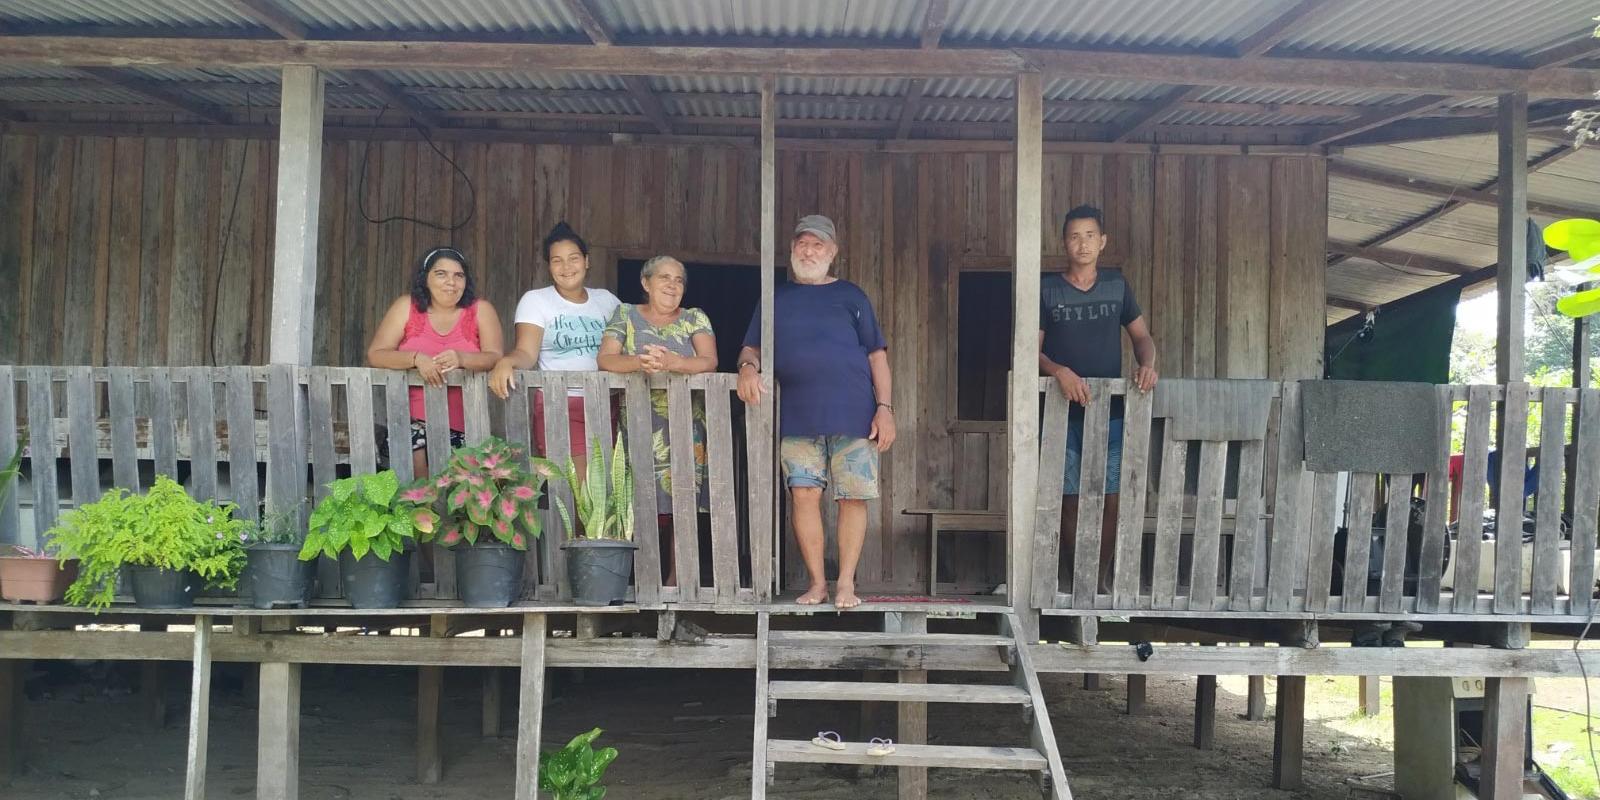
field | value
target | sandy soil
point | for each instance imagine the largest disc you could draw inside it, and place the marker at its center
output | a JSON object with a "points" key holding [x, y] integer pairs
{"points": [[682, 735]]}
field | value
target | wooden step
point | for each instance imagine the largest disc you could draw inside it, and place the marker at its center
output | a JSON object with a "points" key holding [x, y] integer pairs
{"points": [[908, 755], [874, 639], [898, 692]]}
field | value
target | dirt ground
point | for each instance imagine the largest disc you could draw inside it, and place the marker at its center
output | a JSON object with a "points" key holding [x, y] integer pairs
{"points": [[681, 735]]}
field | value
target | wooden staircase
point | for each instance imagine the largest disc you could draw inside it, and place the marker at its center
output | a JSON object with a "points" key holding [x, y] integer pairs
{"points": [[909, 652]]}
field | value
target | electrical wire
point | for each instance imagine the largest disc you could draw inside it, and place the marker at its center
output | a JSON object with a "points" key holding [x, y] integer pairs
{"points": [[227, 232], [361, 190], [1588, 702]]}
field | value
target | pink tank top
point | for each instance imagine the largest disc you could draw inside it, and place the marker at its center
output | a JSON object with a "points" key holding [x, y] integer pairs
{"points": [[420, 337]]}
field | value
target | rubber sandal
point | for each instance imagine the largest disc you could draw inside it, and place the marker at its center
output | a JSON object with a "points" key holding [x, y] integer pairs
{"points": [[880, 747], [828, 740]]}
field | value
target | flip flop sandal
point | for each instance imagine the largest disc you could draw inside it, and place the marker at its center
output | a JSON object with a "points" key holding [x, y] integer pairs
{"points": [[880, 747], [828, 740]]}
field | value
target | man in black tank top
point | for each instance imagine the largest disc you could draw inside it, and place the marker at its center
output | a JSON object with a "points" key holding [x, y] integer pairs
{"points": [[1082, 314]]}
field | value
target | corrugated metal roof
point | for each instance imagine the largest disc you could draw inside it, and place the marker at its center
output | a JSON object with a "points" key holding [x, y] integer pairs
{"points": [[887, 19], [86, 95], [537, 16], [125, 12], [1187, 24], [19, 71], [1371, 204], [501, 80], [446, 101], [1422, 28], [1344, 97], [1079, 89], [1196, 116], [1375, 284]]}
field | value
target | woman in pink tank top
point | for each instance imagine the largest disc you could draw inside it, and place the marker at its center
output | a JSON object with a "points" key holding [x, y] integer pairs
{"points": [[440, 327]]}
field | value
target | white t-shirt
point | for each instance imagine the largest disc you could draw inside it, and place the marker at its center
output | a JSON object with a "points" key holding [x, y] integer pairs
{"points": [[571, 330]]}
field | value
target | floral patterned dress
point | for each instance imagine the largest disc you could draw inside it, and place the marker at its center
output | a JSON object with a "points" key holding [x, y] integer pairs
{"points": [[629, 327]]}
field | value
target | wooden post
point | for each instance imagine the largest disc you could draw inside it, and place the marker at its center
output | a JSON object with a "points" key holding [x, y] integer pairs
{"points": [[491, 696], [430, 688], [278, 725], [1505, 722], [1582, 376], [1255, 706], [1289, 732], [1368, 692], [1205, 712], [1091, 682], [1424, 739], [12, 700], [1023, 397], [1136, 694], [194, 784], [294, 265], [530, 705], [913, 728], [764, 525], [1512, 192], [152, 694]]}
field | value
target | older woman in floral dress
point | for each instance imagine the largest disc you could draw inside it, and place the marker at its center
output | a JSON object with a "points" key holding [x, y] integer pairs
{"points": [[660, 336]]}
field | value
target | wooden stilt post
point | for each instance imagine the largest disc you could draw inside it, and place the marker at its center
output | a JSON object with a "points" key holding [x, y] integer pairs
{"points": [[1512, 192], [294, 265], [530, 705], [1505, 722], [1091, 681], [1023, 395], [1136, 694], [12, 699], [278, 725], [430, 687], [913, 728], [1255, 704], [152, 695], [1205, 712], [765, 529], [1289, 731], [1368, 691], [491, 696], [194, 784], [1424, 738]]}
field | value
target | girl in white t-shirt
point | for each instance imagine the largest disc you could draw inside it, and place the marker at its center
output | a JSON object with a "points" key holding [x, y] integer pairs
{"points": [[559, 329]]}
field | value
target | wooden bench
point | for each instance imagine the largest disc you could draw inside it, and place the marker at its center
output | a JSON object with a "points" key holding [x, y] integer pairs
{"points": [[953, 519]]}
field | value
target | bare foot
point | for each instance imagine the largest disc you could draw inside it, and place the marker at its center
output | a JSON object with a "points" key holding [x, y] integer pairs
{"points": [[817, 595], [845, 596]]}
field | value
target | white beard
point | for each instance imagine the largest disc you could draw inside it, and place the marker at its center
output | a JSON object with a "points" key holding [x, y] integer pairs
{"points": [[811, 273]]}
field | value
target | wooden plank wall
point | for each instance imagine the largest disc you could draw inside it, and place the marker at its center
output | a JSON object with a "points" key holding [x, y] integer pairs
{"points": [[1225, 253]]}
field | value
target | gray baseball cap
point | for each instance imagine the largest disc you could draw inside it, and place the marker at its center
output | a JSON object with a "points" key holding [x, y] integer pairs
{"points": [[817, 224]]}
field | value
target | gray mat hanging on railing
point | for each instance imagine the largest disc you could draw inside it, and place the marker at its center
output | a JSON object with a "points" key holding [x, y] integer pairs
{"points": [[1370, 426], [1214, 410]]}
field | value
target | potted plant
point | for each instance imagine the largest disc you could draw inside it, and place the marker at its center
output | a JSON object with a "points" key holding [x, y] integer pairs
{"points": [[600, 554], [34, 576], [273, 572], [170, 542], [370, 528], [574, 772], [490, 511]]}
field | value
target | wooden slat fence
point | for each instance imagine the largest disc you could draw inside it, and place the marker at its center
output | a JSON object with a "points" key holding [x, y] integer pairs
{"points": [[1242, 527], [305, 427]]}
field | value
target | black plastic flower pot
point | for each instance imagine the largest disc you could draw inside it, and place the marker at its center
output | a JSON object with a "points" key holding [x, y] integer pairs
{"points": [[275, 577], [155, 587], [371, 582], [489, 575], [599, 570]]}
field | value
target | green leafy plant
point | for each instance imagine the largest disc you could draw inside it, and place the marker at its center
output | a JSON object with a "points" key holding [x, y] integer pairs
{"points": [[366, 513], [574, 772], [604, 503], [164, 527], [486, 492], [279, 527], [8, 476]]}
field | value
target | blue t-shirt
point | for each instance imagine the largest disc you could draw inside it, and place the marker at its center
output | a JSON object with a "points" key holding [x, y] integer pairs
{"points": [[824, 334]]}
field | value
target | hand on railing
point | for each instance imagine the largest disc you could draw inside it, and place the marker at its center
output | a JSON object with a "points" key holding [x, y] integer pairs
{"points": [[751, 387], [1145, 378], [429, 369], [1073, 386]]}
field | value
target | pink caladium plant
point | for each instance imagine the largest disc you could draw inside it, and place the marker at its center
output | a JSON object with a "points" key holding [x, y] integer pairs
{"points": [[486, 493]]}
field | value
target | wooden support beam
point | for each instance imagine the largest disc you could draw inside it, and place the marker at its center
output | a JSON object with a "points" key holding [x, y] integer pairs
{"points": [[764, 512], [910, 107], [1205, 712], [530, 705], [394, 98], [1505, 722], [152, 690], [1291, 73], [294, 272], [156, 93], [12, 706], [1381, 116], [638, 87], [1367, 695], [589, 21], [278, 732], [430, 696], [492, 685], [913, 717], [1582, 47], [1289, 733], [1293, 20], [1023, 396], [1401, 258], [1151, 114], [1424, 738], [1137, 693], [1347, 304], [1255, 704], [1342, 168], [194, 782], [273, 16], [1512, 237], [933, 21]]}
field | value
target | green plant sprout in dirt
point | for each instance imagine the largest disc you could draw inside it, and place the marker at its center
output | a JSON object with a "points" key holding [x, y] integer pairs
{"points": [[279, 527], [367, 513], [487, 493], [163, 527], [574, 772], [605, 507]]}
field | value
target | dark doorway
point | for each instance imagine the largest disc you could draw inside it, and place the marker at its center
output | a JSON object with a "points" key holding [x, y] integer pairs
{"points": [[728, 293], [983, 345]]}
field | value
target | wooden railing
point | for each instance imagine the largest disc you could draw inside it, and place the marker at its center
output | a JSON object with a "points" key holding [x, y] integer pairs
{"points": [[1254, 532], [120, 426]]}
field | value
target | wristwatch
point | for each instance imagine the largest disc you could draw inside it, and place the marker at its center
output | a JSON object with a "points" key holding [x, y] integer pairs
{"points": [[743, 364]]}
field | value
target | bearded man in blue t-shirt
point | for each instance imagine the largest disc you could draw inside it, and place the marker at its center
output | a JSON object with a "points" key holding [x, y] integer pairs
{"points": [[1082, 315], [833, 364]]}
